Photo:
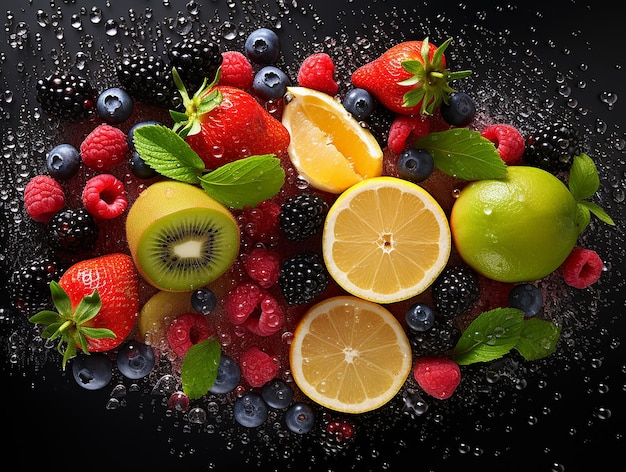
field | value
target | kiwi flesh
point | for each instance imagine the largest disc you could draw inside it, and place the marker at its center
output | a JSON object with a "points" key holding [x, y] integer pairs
{"points": [[179, 237]]}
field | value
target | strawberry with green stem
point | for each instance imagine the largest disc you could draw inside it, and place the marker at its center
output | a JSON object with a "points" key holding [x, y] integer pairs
{"points": [[97, 302], [410, 77]]}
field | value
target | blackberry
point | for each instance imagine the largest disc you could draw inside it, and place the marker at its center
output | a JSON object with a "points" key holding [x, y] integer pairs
{"points": [[553, 148], [437, 340], [147, 78], [66, 95], [302, 216], [455, 291], [302, 278], [194, 60], [72, 230], [28, 286]]}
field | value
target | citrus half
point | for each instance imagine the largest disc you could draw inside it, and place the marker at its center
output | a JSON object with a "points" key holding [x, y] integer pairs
{"points": [[516, 229], [349, 355], [385, 240], [328, 147]]}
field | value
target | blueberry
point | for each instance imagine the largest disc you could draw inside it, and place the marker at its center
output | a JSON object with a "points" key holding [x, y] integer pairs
{"points": [[63, 161], [250, 410], [228, 376], [420, 317], [527, 298], [300, 418], [277, 394], [131, 132], [203, 300], [92, 371], [135, 360], [415, 165], [459, 111], [360, 103], [270, 82], [114, 105], [139, 168], [262, 46]]}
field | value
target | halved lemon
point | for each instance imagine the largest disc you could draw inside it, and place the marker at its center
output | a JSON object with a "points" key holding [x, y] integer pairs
{"points": [[349, 355], [385, 240], [328, 146]]}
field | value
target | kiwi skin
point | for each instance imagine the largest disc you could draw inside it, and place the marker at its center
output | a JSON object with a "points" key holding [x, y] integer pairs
{"points": [[168, 209]]}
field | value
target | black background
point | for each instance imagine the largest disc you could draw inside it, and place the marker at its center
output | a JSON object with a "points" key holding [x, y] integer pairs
{"points": [[552, 425]]}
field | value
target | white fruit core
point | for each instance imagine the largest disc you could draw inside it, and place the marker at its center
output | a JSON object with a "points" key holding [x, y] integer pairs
{"points": [[191, 249]]}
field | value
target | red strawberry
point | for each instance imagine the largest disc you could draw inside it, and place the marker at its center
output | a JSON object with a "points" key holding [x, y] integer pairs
{"points": [[97, 301], [223, 123], [409, 78]]}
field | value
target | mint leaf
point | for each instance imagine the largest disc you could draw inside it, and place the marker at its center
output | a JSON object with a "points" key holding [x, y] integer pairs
{"points": [[199, 368], [167, 153], [464, 154], [245, 182], [583, 177], [597, 211], [538, 339], [490, 336]]}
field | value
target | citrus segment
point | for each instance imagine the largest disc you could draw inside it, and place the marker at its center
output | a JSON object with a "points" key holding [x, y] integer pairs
{"points": [[328, 146], [385, 240], [350, 355]]}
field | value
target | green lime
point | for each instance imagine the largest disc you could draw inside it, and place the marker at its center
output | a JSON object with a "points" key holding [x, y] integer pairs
{"points": [[516, 229]]}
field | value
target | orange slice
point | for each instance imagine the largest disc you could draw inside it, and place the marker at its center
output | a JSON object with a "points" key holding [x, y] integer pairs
{"points": [[328, 147], [385, 240], [350, 355]]}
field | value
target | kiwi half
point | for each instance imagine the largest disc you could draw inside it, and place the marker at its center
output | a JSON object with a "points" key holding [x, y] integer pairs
{"points": [[179, 237]]}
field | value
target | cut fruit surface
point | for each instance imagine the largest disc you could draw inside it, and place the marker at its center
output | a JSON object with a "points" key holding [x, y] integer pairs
{"points": [[350, 355], [385, 240], [159, 311], [328, 147]]}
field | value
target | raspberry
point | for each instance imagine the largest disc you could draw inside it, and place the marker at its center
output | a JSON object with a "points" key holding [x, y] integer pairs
{"points": [[236, 70], [43, 197], [437, 376], [248, 298], [257, 367], [263, 266], [259, 224], [406, 130], [104, 147], [186, 330], [582, 268], [317, 72], [104, 196], [508, 141]]}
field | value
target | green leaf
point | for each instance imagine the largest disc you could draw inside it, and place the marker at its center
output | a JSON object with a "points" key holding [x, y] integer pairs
{"points": [[45, 317], [598, 211], [583, 217], [52, 331], [464, 154], [199, 368], [245, 182], [583, 181], [60, 299], [538, 339], [168, 153], [87, 308], [490, 336], [97, 333]]}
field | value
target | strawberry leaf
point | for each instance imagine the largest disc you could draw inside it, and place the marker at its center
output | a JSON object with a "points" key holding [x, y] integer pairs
{"points": [[97, 333], [87, 308], [199, 368], [60, 299], [464, 154]]}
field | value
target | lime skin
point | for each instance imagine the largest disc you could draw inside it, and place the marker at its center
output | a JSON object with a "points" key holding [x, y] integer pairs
{"points": [[516, 229]]}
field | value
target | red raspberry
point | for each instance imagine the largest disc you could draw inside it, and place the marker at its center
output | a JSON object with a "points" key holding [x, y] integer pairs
{"points": [[186, 330], [437, 376], [260, 224], [406, 130], [263, 266], [582, 268], [508, 141], [257, 367], [317, 72], [247, 299], [43, 197], [236, 70], [104, 197], [104, 147]]}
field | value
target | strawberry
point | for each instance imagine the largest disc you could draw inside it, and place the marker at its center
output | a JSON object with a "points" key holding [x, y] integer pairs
{"points": [[437, 376], [97, 301], [223, 123], [409, 78]]}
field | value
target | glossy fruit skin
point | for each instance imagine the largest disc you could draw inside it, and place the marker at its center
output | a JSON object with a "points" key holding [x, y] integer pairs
{"points": [[228, 376], [63, 162], [114, 105], [277, 394], [415, 165], [131, 132], [459, 111], [140, 168], [300, 418], [360, 103], [238, 127], [115, 278], [527, 298], [250, 410], [135, 360], [92, 372], [203, 300], [262, 46], [270, 83], [420, 317]]}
